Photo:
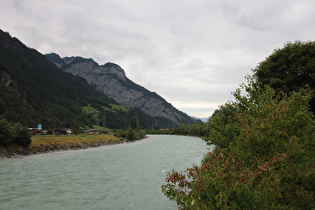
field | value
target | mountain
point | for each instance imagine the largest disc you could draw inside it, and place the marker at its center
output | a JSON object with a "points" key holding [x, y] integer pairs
{"points": [[111, 80], [203, 119], [35, 91]]}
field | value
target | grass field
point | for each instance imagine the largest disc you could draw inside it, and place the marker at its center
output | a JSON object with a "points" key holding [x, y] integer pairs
{"points": [[66, 139], [49, 143]]}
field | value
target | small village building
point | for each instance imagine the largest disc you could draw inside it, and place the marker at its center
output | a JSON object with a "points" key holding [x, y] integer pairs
{"points": [[35, 131], [69, 132], [92, 131], [60, 131]]}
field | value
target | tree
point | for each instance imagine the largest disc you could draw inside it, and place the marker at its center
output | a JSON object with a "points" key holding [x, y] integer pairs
{"points": [[20, 135], [270, 162], [16, 134], [50, 131], [134, 123], [120, 133], [289, 68], [76, 129], [5, 134], [132, 135], [223, 126], [265, 144]]}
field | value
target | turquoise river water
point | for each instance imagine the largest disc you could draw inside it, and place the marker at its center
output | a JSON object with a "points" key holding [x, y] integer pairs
{"points": [[124, 176]]}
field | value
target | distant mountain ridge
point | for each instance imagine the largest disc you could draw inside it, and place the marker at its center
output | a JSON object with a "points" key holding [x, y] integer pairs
{"points": [[203, 119], [35, 91], [111, 80]]}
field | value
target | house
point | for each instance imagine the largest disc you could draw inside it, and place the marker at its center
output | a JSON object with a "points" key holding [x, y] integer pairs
{"points": [[60, 131], [94, 131], [35, 131], [69, 132]]}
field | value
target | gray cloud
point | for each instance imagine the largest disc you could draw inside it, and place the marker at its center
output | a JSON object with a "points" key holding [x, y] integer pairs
{"points": [[192, 53]]}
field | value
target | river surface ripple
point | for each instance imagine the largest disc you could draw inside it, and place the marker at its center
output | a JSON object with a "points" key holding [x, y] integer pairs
{"points": [[125, 176]]}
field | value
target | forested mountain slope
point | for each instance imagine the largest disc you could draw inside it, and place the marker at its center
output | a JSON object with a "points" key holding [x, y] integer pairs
{"points": [[33, 90]]}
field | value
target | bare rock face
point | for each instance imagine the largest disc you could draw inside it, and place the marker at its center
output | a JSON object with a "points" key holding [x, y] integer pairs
{"points": [[112, 81], [10, 84]]}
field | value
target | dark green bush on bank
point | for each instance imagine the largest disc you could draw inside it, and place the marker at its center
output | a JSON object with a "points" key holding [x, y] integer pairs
{"points": [[5, 135], [14, 134], [130, 134]]}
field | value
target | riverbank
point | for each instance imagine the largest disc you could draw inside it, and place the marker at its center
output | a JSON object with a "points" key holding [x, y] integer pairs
{"points": [[52, 143]]}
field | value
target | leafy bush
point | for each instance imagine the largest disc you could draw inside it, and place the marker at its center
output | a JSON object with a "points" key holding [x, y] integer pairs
{"points": [[268, 162], [130, 134], [274, 123], [223, 126], [20, 135], [50, 131], [120, 133], [14, 134], [5, 134], [289, 68], [226, 182], [75, 129]]}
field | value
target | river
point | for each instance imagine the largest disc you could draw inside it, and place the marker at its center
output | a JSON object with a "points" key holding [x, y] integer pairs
{"points": [[124, 176]]}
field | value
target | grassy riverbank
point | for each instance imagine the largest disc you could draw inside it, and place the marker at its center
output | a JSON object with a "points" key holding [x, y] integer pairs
{"points": [[50, 143], [66, 139]]}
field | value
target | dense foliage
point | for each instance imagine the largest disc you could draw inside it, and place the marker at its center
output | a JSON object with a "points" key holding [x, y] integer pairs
{"points": [[264, 156], [289, 68], [200, 129], [268, 164], [75, 129], [130, 134], [15, 133]]}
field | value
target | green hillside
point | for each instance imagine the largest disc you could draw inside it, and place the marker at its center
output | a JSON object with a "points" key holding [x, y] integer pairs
{"points": [[33, 90]]}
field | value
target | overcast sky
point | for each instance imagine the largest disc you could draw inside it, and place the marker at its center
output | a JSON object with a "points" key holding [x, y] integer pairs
{"points": [[193, 53]]}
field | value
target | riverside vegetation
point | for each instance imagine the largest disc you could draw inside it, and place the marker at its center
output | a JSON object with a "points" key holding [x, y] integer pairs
{"points": [[264, 154], [50, 143], [16, 140], [15, 134]]}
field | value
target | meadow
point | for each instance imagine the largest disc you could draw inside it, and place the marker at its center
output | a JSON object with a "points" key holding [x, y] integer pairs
{"points": [[51, 143], [40, 140]]}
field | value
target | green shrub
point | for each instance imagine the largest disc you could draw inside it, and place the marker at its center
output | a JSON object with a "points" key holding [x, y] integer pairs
{"points": [[223, 126], [20, 135], [130, 134], [14, 134], [75, 129], [5, 134], [228, 182], [120, 133], [267, 164], [50, 131]]}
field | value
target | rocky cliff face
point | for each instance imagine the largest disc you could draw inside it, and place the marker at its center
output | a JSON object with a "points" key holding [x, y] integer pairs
{"points": [[112, 81], [10, 84]]}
